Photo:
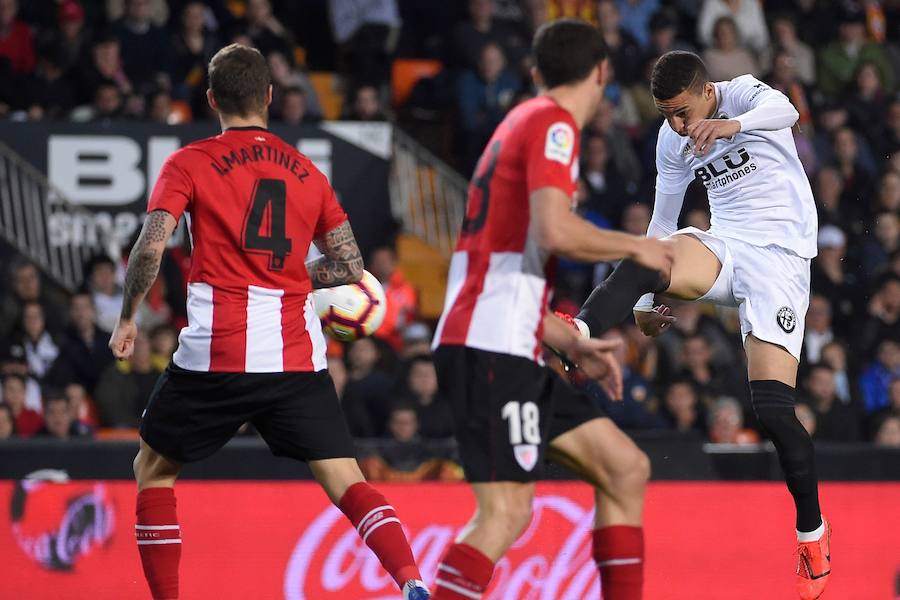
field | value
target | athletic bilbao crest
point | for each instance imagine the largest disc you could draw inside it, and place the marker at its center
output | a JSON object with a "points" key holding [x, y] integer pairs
{"points": [[787, 320], [526, 455], [55, 522]]}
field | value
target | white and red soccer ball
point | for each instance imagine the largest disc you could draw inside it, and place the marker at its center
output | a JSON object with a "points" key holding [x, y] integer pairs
{"points": [[349, 312]]}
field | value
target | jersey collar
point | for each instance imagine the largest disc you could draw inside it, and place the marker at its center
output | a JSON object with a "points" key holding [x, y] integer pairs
{"points": [[247, 128]]}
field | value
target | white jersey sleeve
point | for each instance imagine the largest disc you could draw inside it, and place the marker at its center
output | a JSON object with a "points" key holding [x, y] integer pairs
{"points": [[760, 107]]}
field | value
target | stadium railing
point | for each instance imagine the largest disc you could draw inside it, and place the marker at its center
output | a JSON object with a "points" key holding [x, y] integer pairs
{"points": [[33, 215]]}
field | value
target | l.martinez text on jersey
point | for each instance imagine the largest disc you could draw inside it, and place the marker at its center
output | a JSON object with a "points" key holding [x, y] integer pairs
{"points": [[255, 153]]}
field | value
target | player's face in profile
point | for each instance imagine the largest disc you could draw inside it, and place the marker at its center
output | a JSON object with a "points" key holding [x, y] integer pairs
{"points": [[686, 108]]}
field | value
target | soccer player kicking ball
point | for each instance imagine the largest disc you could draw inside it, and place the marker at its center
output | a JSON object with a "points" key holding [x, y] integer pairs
{"points": [[510, 410], [735, 137], [253, 349]]}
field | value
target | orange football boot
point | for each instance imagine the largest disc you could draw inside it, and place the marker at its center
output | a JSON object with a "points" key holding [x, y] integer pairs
{"points": [[814, 565]]}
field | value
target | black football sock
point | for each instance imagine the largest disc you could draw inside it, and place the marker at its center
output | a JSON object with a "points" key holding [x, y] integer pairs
{"points": [[773, 403], [611, 302]]}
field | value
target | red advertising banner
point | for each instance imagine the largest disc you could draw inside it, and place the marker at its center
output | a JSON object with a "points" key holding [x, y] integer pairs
{"points": [[273, 540]]}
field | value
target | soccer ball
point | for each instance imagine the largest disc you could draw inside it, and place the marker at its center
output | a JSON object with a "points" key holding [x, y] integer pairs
{"points": [[349, 312]]}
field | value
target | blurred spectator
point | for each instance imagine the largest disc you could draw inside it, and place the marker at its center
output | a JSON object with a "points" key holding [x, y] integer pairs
{"points": [[192, 48], [867, 103], [105, 66], [635, 219], [890, 133], [835, 421], [786, 42], [433, 411], [624, 51], [828, 188], [634, 410], [834, 281], [287, 78], [71, 37], [470, 37], [888, 434], [681, 407], [636, 16], [807, 418], [877, 249], [293, 107], [483, 98], [27, 287], [783, 77], [416, 340], [124, 387], [620, 146], [839, 60], [725, 59], [163, 342], [157, 9], [709, 380], [875, 381], [159, 108], [16, 42], [664, 35], [692, 321], [50, 93], [726, 423], [888, 193], [338, 372], [366, 105], [16, 363], [855, 171], [406, 452], [265, 30], [747, 17], [145, 47], [82, 407], [105, 291], [608, 190], [834, 354], [366, 34], [818, 328], [883, 319], [402, 298], [84, 353], [27, 421], [59, 420], [34, 342], [367, 396], [7, 422]]}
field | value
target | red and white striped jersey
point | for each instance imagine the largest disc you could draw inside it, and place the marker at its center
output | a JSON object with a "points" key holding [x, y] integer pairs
{"points": [[254, 204], [500, 280]]}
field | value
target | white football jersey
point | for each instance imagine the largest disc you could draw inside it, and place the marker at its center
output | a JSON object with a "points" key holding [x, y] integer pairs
{"points": [[758, 191]]}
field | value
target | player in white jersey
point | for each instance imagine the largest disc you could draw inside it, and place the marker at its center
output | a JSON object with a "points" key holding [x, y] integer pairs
{"points": [[735, 137]]}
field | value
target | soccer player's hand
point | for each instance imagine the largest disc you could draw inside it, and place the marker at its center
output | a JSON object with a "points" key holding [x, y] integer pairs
{"points": [[654, 322], [596, 361], [655, 254], [706, 132], [122, 340]]}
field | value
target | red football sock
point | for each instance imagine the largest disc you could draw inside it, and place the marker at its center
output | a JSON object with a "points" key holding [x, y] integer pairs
{"points": [[159, 541], [464, 574], [378, 526], [619, 552]]}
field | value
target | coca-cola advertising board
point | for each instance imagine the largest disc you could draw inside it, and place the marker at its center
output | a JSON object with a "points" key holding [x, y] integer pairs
{"points": [[273, 540]]}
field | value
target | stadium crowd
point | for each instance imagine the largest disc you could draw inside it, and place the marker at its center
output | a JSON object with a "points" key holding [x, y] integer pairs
{"points": [[838, 62]]}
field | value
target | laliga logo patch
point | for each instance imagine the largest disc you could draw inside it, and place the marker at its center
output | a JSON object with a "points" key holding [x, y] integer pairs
{"points": [[526, 455], [560, 143], [786, 318]]}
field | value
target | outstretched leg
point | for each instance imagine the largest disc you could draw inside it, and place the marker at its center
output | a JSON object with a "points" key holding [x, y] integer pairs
{"points": [[773, 376], [610, 461], [156, 529], [694, 271], [375, 519], [504, 511]]}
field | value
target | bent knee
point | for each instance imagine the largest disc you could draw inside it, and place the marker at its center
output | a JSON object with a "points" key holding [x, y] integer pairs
{"points": [[510, 515], [631, 473]]}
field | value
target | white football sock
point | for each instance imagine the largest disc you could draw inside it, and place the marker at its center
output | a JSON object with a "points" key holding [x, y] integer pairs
{"points": [[811, 536]]}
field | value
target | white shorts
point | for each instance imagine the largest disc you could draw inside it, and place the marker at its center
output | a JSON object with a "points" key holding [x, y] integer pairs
{"points": [[769, 284]]}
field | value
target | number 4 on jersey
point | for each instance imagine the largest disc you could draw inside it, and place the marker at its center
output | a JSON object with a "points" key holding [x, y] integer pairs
{"points": [[268, 200]]}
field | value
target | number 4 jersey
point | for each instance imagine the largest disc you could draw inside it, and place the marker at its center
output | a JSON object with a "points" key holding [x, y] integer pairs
{"points": [[254, 205], [500, 280]]}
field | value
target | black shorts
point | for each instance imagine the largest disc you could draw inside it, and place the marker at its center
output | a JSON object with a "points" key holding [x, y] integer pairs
{"points": [[506, 409], [190, 414]]}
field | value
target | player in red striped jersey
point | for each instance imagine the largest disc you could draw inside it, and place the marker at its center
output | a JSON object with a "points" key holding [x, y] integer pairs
{"points": [[510, 410], [253, 350]]}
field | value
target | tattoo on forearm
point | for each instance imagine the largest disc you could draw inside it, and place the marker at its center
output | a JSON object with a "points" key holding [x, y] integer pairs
{"points": [[342, 262], [143, 262]]}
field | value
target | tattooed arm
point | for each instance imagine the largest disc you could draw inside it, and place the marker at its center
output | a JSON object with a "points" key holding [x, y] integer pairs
{"points": [[143, 267], [342, 263]]}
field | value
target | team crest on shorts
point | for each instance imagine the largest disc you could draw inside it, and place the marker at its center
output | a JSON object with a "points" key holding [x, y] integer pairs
{"points": [[526, 455], [787, 319]]}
